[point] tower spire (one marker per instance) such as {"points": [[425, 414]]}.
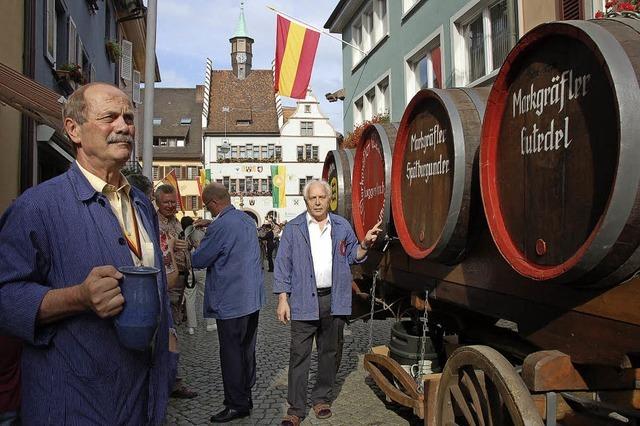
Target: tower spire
{"points": [[241, 28]]}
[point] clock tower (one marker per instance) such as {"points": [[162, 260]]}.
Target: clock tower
{"points": [[241, 48]]}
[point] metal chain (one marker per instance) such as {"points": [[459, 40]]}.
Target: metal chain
{"points": [[373, 305], [423, 345]]}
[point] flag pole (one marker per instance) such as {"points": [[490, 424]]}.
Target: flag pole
{"points": [[327, 33]]}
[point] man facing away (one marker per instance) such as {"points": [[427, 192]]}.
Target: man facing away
{"points": [[60, 244], [233, 296], [313, 282]]}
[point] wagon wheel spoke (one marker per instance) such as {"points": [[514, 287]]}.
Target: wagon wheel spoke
{"points": [[460, 402], [471, 380]]}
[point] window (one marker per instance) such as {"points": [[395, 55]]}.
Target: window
{"points": [[249, 184], [263, 152], [407, 5], [241, 185], [243, 122], [72, 46], [271, 150], [233, 186], [424, 68], [300, 153], [303, 182], [307, 109], [279, 153], [264, 186], [234, 151], [256, 152], [192, 202], [243, 152], [157, 121], [482, 39], [249, 150], [369, 28], [219, 154], [180, 143], [192, 172], [51, 30], [375, 101], [154, 172], [269, 183], [315, 153], [185, 121], [107, 22], [178, 170], [306, 128], [225, 182], [307, 152]]}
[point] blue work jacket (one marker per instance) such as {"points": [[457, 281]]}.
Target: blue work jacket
{"points": [[230, 251], [74, 370], [294, 272]]}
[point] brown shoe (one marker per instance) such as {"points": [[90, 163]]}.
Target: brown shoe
{"points": [[322, 410], [291, 420]]}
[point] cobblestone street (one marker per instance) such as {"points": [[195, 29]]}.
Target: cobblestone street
{"points": [[359, 401]]}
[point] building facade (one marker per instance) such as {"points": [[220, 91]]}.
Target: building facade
{"points": [[409, 44], [49, 48], [177, 141], [243, 138]]}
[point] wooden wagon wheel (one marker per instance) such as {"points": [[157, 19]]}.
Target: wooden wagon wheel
{"points": [[480, 387]]}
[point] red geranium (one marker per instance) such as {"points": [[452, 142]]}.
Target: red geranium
{"points": [[626, 6]]}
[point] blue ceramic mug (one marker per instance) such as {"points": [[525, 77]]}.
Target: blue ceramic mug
{"points": [[136, 325]]}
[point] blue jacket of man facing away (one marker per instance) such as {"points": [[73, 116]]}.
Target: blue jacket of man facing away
{"points": [[231, 253], [294, 273]]}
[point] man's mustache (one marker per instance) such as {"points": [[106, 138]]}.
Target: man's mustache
{"points": [[120, 138]]}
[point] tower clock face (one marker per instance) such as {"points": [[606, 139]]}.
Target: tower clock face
{"points": [[241, 57]]}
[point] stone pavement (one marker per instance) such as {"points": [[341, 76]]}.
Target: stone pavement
{"points": [[359, 401]]}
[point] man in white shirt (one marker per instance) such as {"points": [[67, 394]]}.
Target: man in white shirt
{"points": [[313, 281]]}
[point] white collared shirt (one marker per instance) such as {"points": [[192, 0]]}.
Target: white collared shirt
{"points": [[321, 251]]}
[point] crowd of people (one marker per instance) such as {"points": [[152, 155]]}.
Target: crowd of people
{"points": [[62, 242]]}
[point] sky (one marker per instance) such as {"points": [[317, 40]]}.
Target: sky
{"points": [[190, 31]]}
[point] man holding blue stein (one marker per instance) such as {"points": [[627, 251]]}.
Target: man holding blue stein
{"points": [[61, 244]]}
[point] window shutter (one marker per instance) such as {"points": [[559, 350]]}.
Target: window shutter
{"points": [[136, 87], [126, 60], [72, 49], [183, 172], [79, 53], [570, 9]]}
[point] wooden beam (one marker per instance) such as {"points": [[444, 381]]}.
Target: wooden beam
{"points": [[546, 371]]}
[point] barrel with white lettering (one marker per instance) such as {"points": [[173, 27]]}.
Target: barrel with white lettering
{"points": [[371, 180], [338, 165], [433, 172], [559, 154]]}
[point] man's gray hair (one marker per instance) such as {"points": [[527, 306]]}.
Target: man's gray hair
{"points": [[324, 183], [165, 188]]}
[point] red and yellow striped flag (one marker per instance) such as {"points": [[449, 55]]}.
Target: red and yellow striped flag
{"points": [[296, 47], [172, 180]]}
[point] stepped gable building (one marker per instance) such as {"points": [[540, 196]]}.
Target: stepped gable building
{"points": [[244, 135]]}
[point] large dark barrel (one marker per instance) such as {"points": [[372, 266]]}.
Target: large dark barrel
{"points": [[338, 165], [560, 159], [433, 166], [371, 180]]}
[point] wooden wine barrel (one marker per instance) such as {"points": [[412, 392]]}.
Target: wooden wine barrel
{"points": [[433, 169], [337, 168], [560, 159], [371, 180]]}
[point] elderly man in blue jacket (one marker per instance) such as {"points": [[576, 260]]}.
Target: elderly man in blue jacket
{"points": [[313, 281], [60, 245], [234, 294]]}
